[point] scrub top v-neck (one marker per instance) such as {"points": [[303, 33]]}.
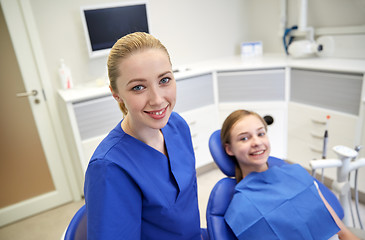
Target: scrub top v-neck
{"points": [[133, 191]]}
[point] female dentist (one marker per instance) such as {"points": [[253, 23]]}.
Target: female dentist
{"points": [[141, 180]]}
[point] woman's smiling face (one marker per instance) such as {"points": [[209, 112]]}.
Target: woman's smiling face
{"points": [[249, 144], [148, 89]]}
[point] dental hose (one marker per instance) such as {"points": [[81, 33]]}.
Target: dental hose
{"points": [[357, 149], [357, 200], [350, 203], [291, 38]]}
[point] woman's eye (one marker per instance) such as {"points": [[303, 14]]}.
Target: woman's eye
{"points": [[165, 80], [138, 88]]}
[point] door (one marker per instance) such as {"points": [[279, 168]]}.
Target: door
{"points": [[32, 178]]}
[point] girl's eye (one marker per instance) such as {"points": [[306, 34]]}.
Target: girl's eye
{"points": [[138, 88], [262, 134], [165, 80], [244, 138]]}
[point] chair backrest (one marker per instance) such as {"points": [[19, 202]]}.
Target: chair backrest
{"points": [[77, 229], [222, 193]]}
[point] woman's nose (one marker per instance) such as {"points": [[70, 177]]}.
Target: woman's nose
{"points": [[155, 96]]}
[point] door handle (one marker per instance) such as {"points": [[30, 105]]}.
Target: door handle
{"points": [[27, 94]]}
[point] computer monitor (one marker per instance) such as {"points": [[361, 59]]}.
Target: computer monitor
{"points": [[105, 24]]}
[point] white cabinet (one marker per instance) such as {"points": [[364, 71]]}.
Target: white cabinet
{"points": [[299, 101], [261, 91], [314, 95], [91, 120], [196, 104], [203, 122], [306, 129]]}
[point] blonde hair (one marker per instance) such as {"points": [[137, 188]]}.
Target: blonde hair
{"points": [[125, 47], [227, 126]]}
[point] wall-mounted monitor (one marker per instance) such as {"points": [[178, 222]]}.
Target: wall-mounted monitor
{"points": [[105, 24]]}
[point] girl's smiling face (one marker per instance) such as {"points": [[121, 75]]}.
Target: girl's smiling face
{"points": [[249, 144], [148, 89]]}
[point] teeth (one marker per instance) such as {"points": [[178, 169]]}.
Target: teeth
{"points": [[158, 113], [258, 153]]}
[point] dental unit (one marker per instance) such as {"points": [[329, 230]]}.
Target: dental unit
{"points": [[345, 164]]}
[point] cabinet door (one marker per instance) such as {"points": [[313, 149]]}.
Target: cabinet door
{"points": [[336, 91], [195, 103], [97, 116], [306, 129], [194, 92], [313, 96], [94, 119], [242, 86], [202, 122]]}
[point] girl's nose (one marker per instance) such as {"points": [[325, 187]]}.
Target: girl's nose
{"points": [[256, 141]]}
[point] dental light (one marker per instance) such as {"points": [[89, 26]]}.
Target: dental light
{"points": [[302, 48]]}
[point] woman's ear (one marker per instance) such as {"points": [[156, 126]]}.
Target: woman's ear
{"points": [[227, 148], [115, 95]]}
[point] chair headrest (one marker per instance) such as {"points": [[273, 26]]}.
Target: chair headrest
{"points": [[220, 157]]}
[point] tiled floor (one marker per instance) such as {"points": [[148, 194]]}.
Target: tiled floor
{"points": [[51, 224]]}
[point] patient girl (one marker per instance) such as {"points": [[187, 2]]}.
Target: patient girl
{"points": [[273, 202]]}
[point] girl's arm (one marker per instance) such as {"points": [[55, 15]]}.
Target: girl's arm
{"points": [[344, 233]]}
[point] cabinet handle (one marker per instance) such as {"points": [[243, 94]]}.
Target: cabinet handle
{"points": [[316, 121], [314, 149], [316, 135]]}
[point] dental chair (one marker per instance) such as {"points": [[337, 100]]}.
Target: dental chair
{"points": [[223, 191], [77, 229]]}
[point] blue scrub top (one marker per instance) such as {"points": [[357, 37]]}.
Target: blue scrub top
{"points": [[133, 191]]}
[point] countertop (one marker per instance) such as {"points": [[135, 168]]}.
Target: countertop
{"points": [[236, 63]]}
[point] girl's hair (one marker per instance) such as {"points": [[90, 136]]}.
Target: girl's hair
{"points": [[227, 126], [125, 47]]}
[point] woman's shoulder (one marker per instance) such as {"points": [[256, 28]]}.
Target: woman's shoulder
{"points": [[178, 122], [176, 118], [111, 143]]}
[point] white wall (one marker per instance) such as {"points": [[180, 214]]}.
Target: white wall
{"points": [[191, 30], [329, 13]]}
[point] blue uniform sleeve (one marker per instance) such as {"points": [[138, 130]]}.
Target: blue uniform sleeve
{"points": [[113, 203]]}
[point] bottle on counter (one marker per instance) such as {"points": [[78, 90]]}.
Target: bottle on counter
{"points": [[65, 75]]}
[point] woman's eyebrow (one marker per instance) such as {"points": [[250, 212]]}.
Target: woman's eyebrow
{"points": [[164, 73], [138, 80]]}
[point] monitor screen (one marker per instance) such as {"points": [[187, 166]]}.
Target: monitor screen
{"points": [[105, 24]]}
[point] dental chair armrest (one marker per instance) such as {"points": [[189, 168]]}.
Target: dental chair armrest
{"points": [[325, 163]]}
